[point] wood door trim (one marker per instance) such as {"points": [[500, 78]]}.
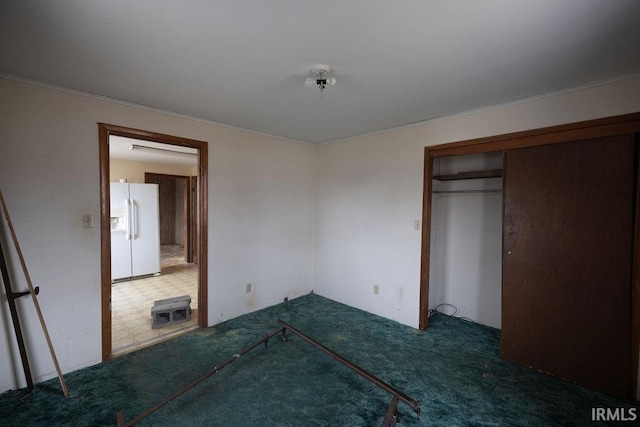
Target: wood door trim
{"points": [[193, 218], [186, 223], [168, 175], [105, 244], [426, 241], [617, 125], [104, 131], [635, 278]]}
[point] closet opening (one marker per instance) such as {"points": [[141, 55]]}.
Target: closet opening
{"points": [[568, 300], [466, 237]]}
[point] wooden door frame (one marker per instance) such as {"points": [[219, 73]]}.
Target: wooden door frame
{"points": [[618, 125], [104, 132], [186, 231], [193, 219]]}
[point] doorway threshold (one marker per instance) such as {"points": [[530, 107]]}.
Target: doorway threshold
{"points": [[153, 340]]}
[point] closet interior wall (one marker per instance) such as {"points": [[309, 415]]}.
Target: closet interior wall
{"points": [[466, 239]]}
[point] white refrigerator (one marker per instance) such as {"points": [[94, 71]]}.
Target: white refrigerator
{"points": [[135, 230]]}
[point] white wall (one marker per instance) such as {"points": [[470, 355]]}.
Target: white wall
{"points": [[369, 193], [366, 204], [261, 194]]}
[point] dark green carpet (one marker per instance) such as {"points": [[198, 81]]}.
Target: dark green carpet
{"points": [[453, 369]]}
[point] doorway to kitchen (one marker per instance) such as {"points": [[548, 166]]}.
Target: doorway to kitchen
{"points": [[176, 169]]}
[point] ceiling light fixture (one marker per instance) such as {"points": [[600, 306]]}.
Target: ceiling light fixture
{"points": [[154, 150], [320, 78]]}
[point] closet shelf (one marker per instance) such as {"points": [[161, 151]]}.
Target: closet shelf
{"points": [[495, 173]]}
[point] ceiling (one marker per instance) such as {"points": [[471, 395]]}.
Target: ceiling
{"points": [[243, 62]]}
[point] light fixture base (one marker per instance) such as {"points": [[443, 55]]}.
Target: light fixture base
{"points": [[320, 70], [320, 77]]}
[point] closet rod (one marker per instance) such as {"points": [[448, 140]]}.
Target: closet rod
{"points": [[465, 191]]}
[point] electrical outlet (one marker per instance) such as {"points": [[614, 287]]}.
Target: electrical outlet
{"points": [[248, 288], [376, 289], [87, 220]]}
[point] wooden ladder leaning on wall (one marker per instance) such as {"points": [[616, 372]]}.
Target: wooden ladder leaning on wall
{"points": [[12, 296]]}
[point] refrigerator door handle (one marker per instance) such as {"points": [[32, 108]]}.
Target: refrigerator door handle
{"points": [[134, 219], [128, 218]]}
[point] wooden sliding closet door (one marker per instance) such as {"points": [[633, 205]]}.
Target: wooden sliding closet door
{"points": [[568, 244]]}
